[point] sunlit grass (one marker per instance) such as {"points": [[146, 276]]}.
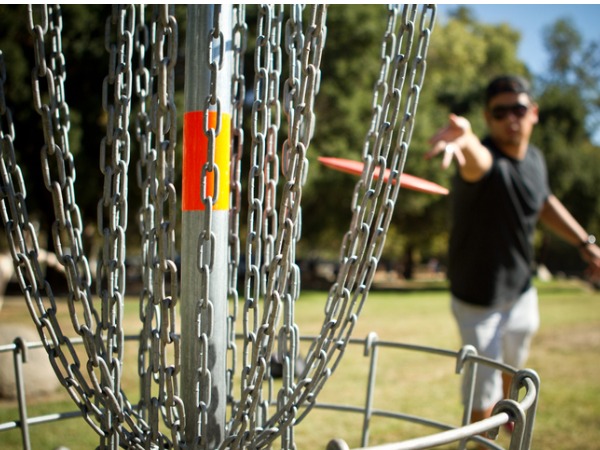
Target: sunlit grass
{"points": [[565, 353]]}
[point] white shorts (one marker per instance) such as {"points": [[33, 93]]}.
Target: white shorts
{"points": [[500, 333]]}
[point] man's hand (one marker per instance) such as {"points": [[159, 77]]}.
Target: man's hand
{"points": [[457, 141], [448, 140]]}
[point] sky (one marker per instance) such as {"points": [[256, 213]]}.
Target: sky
{"points": [[530, 20]]}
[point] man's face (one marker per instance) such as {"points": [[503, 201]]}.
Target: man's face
{"points": [[511, 118]]}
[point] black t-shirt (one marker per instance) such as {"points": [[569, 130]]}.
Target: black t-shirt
{"points": [[493, 223]]}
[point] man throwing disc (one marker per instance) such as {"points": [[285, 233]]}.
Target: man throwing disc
{"points": [[500, 192]]}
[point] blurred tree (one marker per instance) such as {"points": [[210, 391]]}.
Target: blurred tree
{"points": [[574, 63], [463, 54], [86, 66], [349, 67], [569, 100], [86, 61]]}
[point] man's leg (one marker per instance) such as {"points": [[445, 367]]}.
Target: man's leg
{"points": [[482, 328], [522, 324]]}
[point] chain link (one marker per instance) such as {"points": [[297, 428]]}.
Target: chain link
{"points": [[261, 226], [304, 54], [206, 236], [146, 175], [50, 103], [100, 399], [239, 41], [66, 230], [112, 208], [386, 146], [270, 248], [156, 128], [166, 211]]}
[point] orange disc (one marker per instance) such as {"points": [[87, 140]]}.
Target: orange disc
{"points": [[406, 181]]}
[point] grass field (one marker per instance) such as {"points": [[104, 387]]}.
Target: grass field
{"points": [[565, 353]]}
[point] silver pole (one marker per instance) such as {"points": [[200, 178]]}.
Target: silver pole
{"points": [[205, 204]]}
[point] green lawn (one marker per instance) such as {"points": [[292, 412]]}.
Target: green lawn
{"points": [[565, 353]]}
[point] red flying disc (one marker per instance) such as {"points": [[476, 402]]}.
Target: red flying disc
{"points": [[406, 181]]}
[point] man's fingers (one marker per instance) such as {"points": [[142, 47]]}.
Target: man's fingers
{"points": [[444, 141], [438, 147], [452, 150], [449, 151]]}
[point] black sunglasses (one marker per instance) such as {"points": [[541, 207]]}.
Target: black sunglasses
{"points": [[500, 112]]}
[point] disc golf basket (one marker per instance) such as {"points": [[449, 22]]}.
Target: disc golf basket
{"points": [[207, 353]]}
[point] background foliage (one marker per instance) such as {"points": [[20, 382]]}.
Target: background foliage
{"points": [[463, 55]]}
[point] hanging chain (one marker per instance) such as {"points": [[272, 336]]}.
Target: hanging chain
{"points": [[156, 132], [97, 392], [403, 68], [109, 413], [271, 109], [12, 194], [146, 178], [301, 88], [66, 229], [166, 290], [113, 206], [259, 242], [239, 41], [270, 248], [272, 275], [206, 236]]}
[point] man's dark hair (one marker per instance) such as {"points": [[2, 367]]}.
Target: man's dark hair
{"points": [[507, 83]]}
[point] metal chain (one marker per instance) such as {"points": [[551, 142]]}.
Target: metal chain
{"points": [[304, 53], [239, 41], [112, 207], [158, 362], [103, 405], [272, 275], [51, 105], [270, 171], [100, 399], [66, 233], [270, 226], [259, 242], [146, 178], [403, 68], [271, 272], [206, 236], [166, 290]]}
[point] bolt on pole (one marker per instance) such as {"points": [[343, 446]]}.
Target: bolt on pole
{"points": [[205, 206]]}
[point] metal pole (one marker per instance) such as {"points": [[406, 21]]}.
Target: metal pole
{"points": [[20, 357], [205, 205]]}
